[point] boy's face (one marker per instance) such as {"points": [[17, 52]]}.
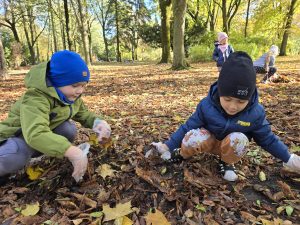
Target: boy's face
{"points": [[233, 105], [73, 91]]}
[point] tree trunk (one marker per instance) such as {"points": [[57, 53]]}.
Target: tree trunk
{"points": [[165, 10], [83, 29], [119, 59], [53, 26], [28, 39], [224, 16], [247, 18], [105, 44], [3, 71], [67, 24], [288, 26], [212, 14], [179, 10]]}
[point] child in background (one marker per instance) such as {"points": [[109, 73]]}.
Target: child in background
{"points": [[39, 122], [266, 64], [226, 120], [222, 50]]}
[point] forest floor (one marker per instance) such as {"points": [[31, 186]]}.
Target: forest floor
{"points": [[145, 103]]}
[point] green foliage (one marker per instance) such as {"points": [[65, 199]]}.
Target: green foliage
{"points": [[201, 53], [150, 34]]}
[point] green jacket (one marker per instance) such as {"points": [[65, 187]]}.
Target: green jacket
{"points": [[39, 111]]}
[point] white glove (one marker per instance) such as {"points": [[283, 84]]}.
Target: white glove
{"points": [[293, 163], [102, 128], [78, 158], [163, 150]]}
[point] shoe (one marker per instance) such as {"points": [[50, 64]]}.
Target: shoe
{"points": [[227, 171], [175, 156]]}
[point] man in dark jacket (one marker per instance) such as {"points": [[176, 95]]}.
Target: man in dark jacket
{"points": [[226, 120]]}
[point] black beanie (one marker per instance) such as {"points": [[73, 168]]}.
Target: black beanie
{"points": [[237, 77]]}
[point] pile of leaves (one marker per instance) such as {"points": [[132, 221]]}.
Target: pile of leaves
{"points": [[145, 103]]}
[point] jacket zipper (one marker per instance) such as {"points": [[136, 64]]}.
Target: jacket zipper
{"points": [[71, 111]]}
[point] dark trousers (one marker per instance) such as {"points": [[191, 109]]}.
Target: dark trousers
{"points": [[272, 71], [15, 153]]}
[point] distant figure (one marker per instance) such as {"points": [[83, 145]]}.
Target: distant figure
{"points": [[222, 50], [266, 64]]}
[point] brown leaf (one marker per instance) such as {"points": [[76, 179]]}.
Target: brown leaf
{"points": [[248, 217], [286, 189]]}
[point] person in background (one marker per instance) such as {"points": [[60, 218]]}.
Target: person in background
{"points": [[265, 64], [226, 120], [40, 121], [222, 50]]}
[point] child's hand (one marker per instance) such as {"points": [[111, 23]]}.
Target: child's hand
{"points": [[163, 150], [78, 158], [102, 128], [293, 163]]}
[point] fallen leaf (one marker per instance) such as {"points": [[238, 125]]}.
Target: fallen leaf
{"points": [[156, 218], [34, 172], [105, 170], [262, 176], [289, 210], [124, 220], [96, 214], [247, 216], [119, 211], [31, 210]]}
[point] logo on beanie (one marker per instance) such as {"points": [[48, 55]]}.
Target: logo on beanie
{"points": [[242, 92], [84, 73]]}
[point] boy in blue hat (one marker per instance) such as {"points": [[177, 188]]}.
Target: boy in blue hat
{"points": [[226, 120], [39, 122]]}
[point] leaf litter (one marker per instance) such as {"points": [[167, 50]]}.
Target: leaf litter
{"points": [[145, 103]]}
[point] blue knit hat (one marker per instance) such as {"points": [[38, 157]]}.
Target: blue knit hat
{"points": [[66, 68]]}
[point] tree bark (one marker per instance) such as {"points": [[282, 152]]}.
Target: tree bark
{"points": [[119, 59], [247, 18], [53, 25], [165, 10], [224, 16], [3, 71], [179, 10], [83, 29], [66, 10], [288, 26]]}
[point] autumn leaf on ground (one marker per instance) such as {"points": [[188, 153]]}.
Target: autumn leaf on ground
{"points": [[124, 220], [262, 176], [93, 140], [34, 172], [156, 218], [116, 212], [105, 170], [31, 210]]}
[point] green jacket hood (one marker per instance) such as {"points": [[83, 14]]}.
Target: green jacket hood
{"points": [[36, 78]]}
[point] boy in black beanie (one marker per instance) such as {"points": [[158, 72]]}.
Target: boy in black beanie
{"points": [[226, 120]]}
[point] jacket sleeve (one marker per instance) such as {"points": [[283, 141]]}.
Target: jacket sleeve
{"points": [[231, 50], [195, 121], [34, 118], [84, 116], [265, 138], [215, 55]]}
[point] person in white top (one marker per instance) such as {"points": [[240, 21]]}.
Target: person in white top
{"points": [[266, 64]]}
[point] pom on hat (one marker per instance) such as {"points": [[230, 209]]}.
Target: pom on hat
{"points": [[221, 36], [237, 77], [274, 50], [66, 68]]}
